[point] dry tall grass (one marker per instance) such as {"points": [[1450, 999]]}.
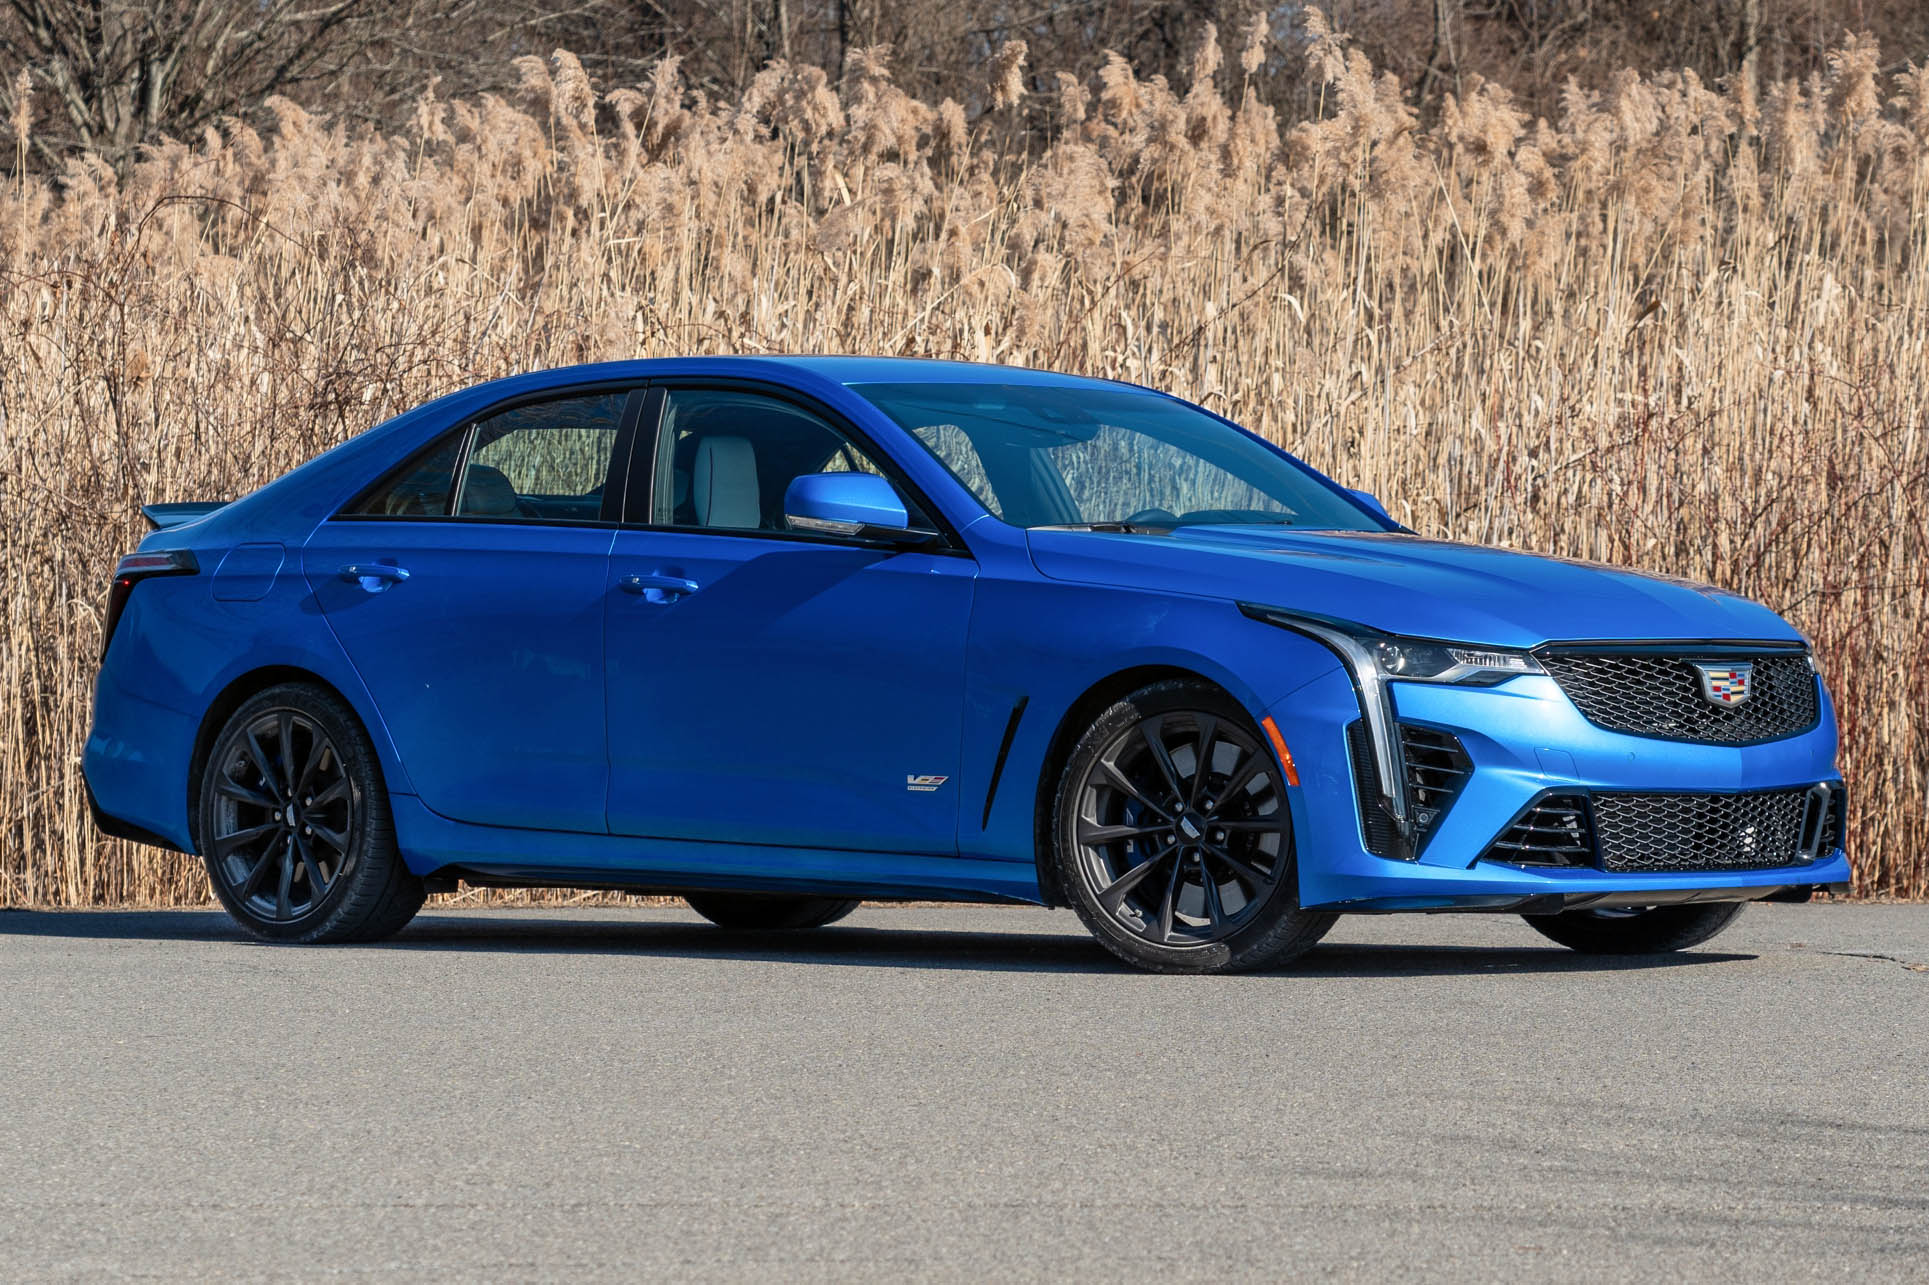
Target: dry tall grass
{"points": [[1676, 329]]}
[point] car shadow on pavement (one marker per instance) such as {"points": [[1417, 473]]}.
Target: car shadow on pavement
{"points": [[850, 944]]}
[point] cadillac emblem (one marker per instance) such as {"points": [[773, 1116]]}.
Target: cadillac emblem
{"points": [[1724, 682]]}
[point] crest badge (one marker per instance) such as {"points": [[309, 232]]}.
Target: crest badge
{"points": [[1725, 682]]}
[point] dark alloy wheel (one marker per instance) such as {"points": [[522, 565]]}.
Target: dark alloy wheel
{"points": [[768, 911], [1173, 836], [1653, 930], [294, 823]]}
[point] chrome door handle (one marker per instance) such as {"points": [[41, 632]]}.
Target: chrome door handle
{"points": [[374, 576], [658, 588]]}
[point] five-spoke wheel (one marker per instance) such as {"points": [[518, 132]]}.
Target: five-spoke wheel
{"points": [[1174, 836]]}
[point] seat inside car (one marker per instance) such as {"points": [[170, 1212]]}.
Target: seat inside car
{"points": [[486, 492], [723, 484]]}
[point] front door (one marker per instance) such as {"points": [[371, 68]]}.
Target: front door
{"points": [[467, 589], [768, 687]]}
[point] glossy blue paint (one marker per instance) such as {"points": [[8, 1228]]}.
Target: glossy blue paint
{"points": [[788, 698], [848, 499], [622, 704]]}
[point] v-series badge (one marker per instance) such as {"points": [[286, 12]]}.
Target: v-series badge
{"points": [[924, 784]]}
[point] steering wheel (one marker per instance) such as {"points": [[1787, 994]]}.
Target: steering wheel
{"points": [[1153, 516]]}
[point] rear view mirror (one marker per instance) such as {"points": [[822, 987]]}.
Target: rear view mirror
{"points": [[859, 505]]}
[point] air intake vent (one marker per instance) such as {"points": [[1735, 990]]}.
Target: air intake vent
{"points": [[1437, 767], [1377, 830], [1555, 831], [1666, 832]]}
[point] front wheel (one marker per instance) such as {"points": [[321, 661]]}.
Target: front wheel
{"points": [[767, 911], [1655, 930], [1173, 839]]}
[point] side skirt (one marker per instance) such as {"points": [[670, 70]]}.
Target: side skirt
{"points": [[438, 848]]}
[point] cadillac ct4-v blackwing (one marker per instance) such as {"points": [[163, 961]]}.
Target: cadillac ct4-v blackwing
{"points": [[779, 633]]}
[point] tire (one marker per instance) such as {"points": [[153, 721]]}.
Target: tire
{"points": [[294, 826], [1654, 931], [1172, 869], [768, 911]]}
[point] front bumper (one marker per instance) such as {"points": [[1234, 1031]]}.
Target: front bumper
{"points": [[1523, 738]]}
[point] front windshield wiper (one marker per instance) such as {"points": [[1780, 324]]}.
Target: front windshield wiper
{"points": [[1114, 528]]}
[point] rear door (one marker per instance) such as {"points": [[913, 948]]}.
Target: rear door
{"points": [[767, 686], [467, 588]]}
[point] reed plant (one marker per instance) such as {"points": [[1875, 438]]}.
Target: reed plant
{"points": [[1679, 328]]}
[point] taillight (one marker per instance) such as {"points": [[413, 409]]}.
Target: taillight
{"points": [[133, 569]]}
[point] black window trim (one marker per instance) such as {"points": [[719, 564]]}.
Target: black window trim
{"points": [[621, 464], [640, 487]]}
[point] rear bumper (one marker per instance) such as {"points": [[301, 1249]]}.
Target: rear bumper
{"points": [[1524, 738]]}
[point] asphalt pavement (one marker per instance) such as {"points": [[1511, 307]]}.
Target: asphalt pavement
{"points": [[958, 1093]]}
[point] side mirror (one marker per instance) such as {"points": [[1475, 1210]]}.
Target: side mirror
{"points": [[1371, 501], [859, 505]]}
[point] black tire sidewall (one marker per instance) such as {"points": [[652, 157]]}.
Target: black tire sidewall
{"points": [[769, 912], [1279, 930], [374, 885], [1659, 931]]}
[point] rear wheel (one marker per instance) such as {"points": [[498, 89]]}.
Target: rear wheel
{"points": [[294, 823], [756, 910], [1655, 930], [1173, 839]]}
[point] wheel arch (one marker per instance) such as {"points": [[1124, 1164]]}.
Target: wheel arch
{"points": [[1071, 725], [231, 698]]}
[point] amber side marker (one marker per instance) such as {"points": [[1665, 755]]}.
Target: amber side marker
{"points": [[1285, 755]]}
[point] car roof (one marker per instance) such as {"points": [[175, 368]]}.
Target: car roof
{"points": [[846, 370]]}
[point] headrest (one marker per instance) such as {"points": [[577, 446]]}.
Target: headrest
{"points": [[487, 493], [724, 484]]}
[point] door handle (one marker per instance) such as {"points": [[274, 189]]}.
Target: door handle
{"points": [[658, 588], [374, 576]]}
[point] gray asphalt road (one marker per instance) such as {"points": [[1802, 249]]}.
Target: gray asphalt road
{"points": [[959, 1093]]}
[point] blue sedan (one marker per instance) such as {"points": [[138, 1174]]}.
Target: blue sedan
{"points": [[776, 634]]}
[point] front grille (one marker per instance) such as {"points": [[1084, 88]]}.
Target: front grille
{"points": [[1659, 694], [1640, 833], [1673, 833], [1554, 832]]}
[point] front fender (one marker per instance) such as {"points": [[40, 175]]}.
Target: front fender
{"points": [[1049, 645]]}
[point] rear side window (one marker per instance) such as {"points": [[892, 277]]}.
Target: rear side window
{"points": [[544, 462], [547, 462], [420, 489]]}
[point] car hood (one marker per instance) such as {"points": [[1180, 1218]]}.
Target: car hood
{"points": [[1407, 584]]}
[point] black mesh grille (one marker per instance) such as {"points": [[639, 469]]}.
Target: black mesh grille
{"points": [[1660, 695], [1554, 832], [1650, 832], [1436, 768]]}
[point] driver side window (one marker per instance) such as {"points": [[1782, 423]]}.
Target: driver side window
{"points": [[725, 459]]}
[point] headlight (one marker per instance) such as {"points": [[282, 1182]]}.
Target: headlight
{"points": [[1376, 659]]}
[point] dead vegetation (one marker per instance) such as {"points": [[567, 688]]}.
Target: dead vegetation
{"points": [[1674, 328]]}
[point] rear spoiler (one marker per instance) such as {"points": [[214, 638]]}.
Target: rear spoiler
{"points": [[162, 516]]}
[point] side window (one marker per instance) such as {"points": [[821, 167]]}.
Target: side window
{"points": [[725, 459], [419, 489], [545, 462]]}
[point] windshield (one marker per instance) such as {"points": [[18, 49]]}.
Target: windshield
{"points": [[1086, 456]]}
